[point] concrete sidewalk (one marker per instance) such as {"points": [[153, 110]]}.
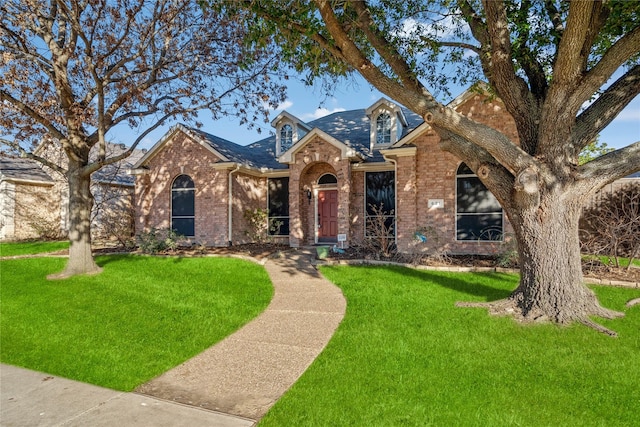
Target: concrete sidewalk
{"points": [[29, 398], [232, 384], [246, 373]]}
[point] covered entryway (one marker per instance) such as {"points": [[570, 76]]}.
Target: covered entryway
{"points": [[327, 216]]}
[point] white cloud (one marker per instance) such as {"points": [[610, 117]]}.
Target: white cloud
{"points": [[281, 107], [320, 112], [285, 105]]}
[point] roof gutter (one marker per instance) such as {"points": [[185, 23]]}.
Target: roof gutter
{"points": [[230, 198]]}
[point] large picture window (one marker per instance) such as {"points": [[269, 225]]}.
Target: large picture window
{"points": [[380, 203], [183, 206], [478, 213], [278, 206]]}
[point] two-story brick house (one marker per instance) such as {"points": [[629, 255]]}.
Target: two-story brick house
{"points": [[327, 181]]}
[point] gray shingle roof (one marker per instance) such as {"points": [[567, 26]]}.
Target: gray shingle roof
{"points": [[22, 170], [350, 127], [118, 173]]}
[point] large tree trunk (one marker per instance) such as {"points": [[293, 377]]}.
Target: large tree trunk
{"points": [[551, 283], [80, 204]]}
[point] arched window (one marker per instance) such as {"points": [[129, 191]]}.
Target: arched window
{"points": [[328, 178], [183, 201], [286, 137], [478, 213], [383, 129]]}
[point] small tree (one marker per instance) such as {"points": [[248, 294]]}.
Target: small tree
{"points": [[72, 71], [611, 226]]}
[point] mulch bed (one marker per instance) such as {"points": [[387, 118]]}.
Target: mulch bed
{"points": [[591, 268]]}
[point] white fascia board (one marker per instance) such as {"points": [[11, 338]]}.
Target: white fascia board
{"points": [[373, 167], [399, 152], [28, 182]]}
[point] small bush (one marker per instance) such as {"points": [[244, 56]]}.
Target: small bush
{"points": [[158, 240], [380, 233], [257, 220], [46, 228]]}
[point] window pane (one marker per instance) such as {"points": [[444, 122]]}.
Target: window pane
{"points": [[383, 129], [183, 203], [286, 137], [184, 226], [328, 178], [380, 192], [473, 196], [279, 226], [375, 228], [479, 227], [183, 181], [278, 197]]}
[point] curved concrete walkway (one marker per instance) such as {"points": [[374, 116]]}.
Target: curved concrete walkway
{"points": [[246, 373], [242, 376]]}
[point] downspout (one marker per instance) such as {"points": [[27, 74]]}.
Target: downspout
{"points": [[230, 198]]}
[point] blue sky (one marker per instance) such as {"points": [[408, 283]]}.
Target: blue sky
{"points": [[309, 103]]}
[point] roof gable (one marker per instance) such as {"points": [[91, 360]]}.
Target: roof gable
{"points": [[197, 136], [346, 152]]}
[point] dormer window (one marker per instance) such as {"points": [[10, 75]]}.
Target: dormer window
{"points": [[383, 129], [289, 130], [387, 123], [286, 137]]}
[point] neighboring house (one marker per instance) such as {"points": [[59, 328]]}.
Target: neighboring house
{"points": [[29, 200], [327, 181], [33, 197]]}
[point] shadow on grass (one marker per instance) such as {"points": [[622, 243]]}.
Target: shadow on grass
{"points": [[474, 284], [103, 260]]}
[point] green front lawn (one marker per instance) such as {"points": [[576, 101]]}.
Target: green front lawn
{"points": [[27, 248], [140, 317], [406, 356]]}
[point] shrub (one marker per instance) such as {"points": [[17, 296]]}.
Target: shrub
{"points": [[158, 240], [380, 233], [257, 220], [612, 225]]}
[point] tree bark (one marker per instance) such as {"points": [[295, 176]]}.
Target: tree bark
{"points": [[551, 283], [80, 204]]}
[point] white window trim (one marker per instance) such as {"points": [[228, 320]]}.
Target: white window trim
{"points": [[393, 128]]}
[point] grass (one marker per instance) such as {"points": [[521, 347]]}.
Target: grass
{"points": [[140, 317], [405, 356], [624, 262], [28, 248]]}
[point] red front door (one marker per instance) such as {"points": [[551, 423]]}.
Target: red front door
{"points": [[327, 215]]}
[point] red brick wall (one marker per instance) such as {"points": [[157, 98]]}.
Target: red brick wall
{"points": [[181, 155], [249, 192], [314, 160], [435, 178]]}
